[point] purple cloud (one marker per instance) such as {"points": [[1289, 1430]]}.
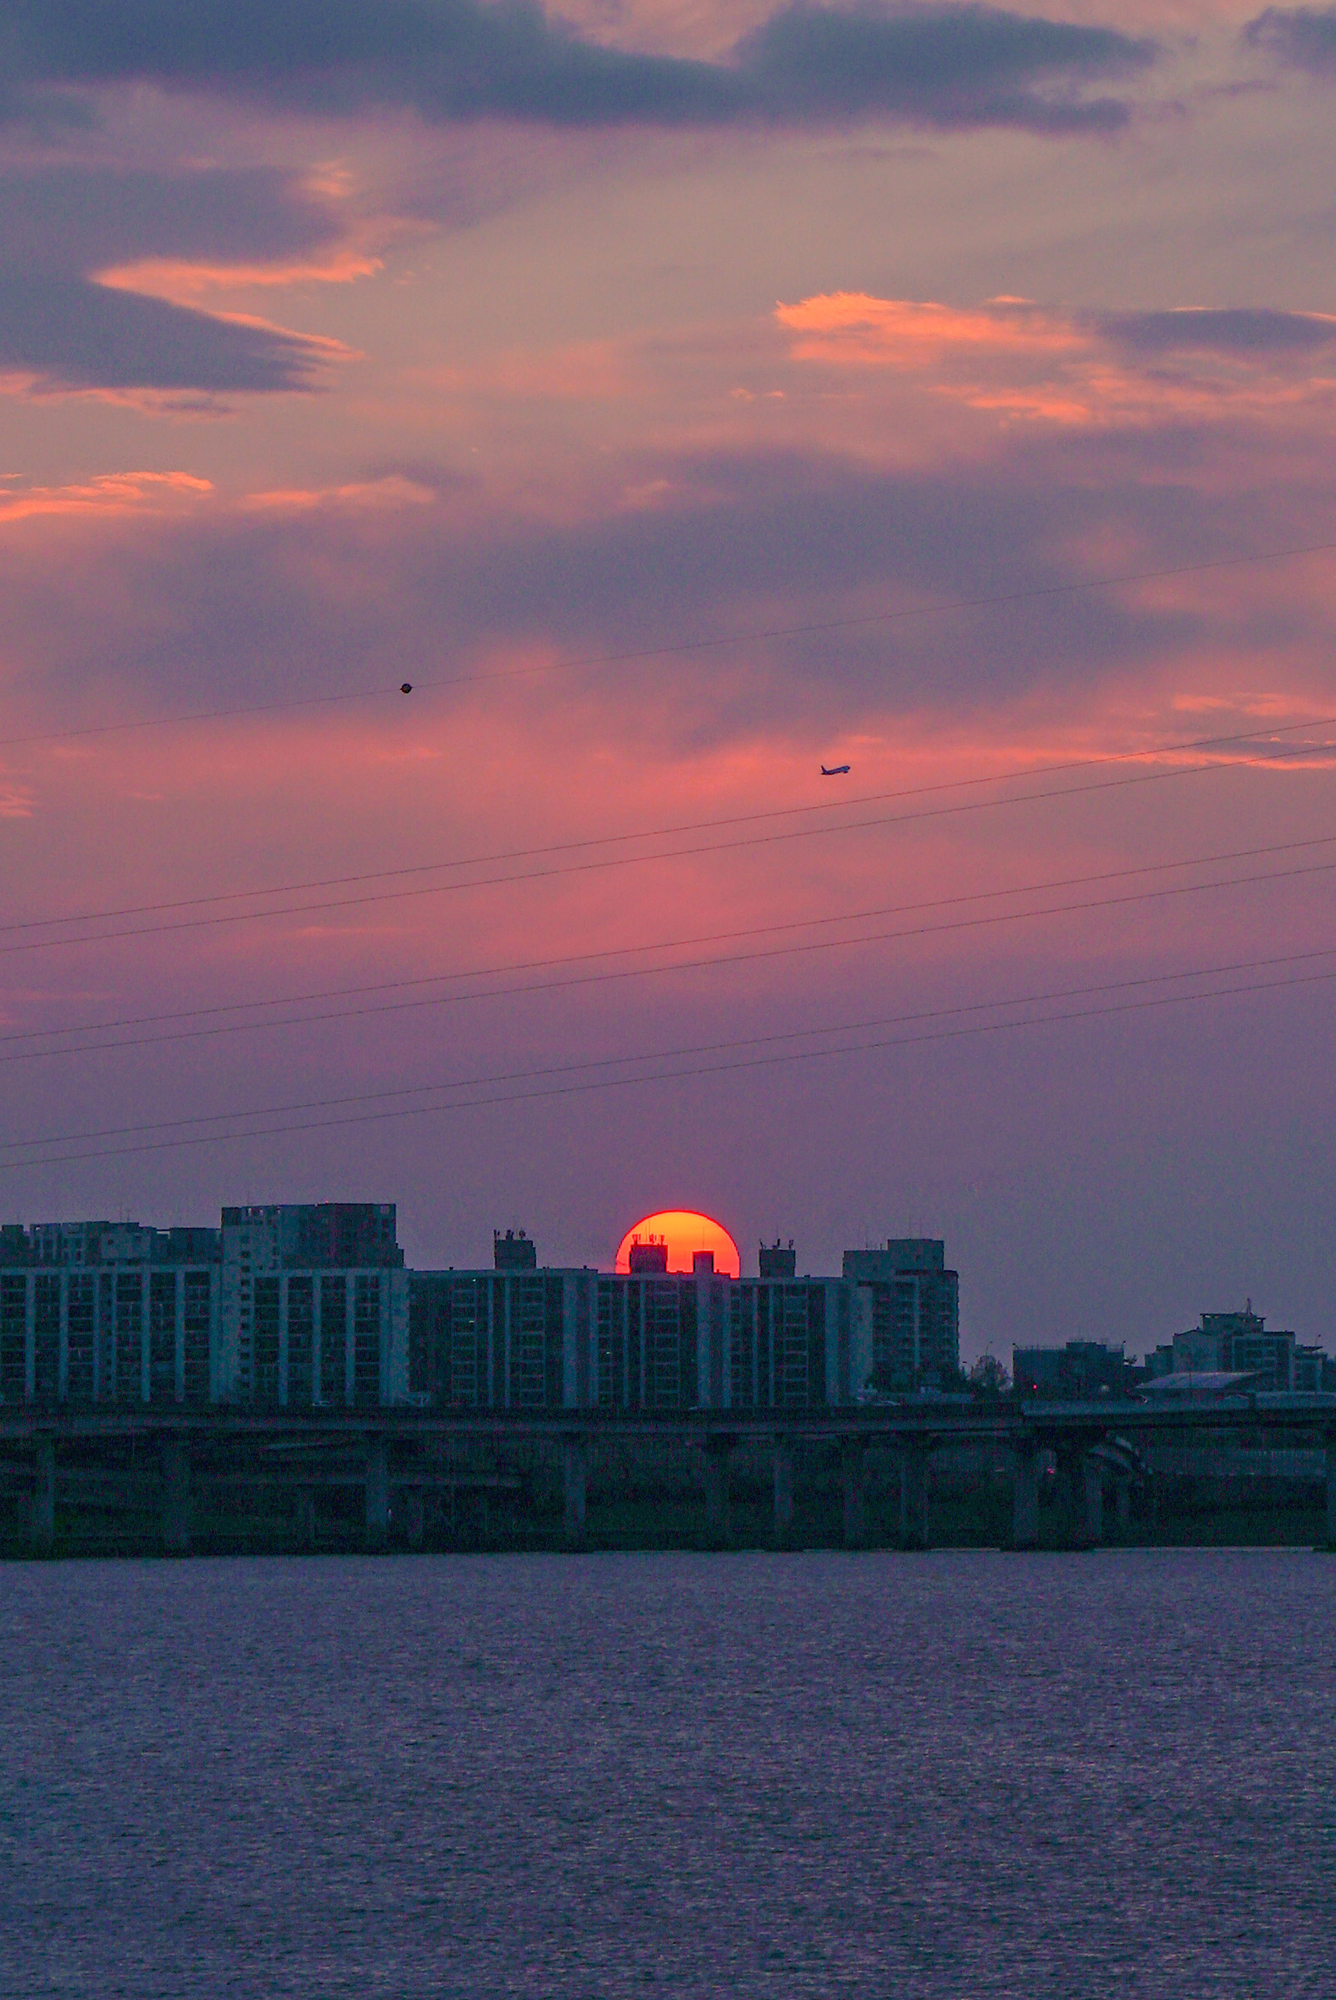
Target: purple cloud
{"points": [[1241, 330], [947, 65], [77, 335], [1305, 37], [59, 224]]}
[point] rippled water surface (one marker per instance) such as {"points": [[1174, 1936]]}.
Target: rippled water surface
{"points": [[883, 1775]]}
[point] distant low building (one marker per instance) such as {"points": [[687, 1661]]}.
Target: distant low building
{"points": [[1077, 1372], [1314, 1372], [1240, 1343], [69, 1245], [1196, 1385]]}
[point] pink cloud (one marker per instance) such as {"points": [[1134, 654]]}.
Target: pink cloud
{"points": [[1016, 358], [110, 493]]}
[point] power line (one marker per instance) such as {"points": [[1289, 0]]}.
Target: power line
{"points": [[616, 861], [687, 826], [681, 647], [717, 937], [670, 1076]]}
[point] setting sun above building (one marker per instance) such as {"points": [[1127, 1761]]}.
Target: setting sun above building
{"points": [[683, 1233]]}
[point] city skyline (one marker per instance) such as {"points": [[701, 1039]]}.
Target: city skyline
{"points": [[310, 1306], [344, 1234]]}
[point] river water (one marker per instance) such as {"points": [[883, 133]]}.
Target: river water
{"points": [[953, 1775]]}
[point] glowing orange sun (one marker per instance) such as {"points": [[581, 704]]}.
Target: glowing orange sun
{"points": [[684, 1232]]}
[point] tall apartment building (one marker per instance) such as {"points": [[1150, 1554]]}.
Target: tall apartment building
{"points": [[314, 1305], [109, 1312], [294, 1306], [530, 1337], [524, 1335], [914, 1302]]}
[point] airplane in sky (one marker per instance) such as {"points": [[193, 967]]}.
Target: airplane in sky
{"points": [[835, 771]]}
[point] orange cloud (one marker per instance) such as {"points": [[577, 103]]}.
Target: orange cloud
{"points": [[392, 491], [182, 282], [112, 493], [851, 328], [1015, 358]]}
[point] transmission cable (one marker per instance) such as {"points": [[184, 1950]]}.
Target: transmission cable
{"points": [[670, 1076], [689, 826], [616, 861], [639, 972]]}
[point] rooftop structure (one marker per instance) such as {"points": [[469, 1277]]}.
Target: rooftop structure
{"points": [[775, 1260], [901, 1254], [513, 1253]]}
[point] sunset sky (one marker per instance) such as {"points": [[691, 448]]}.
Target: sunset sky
{"points": [[679, 395]]}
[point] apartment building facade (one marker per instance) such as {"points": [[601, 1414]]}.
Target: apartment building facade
{"points": [[914, 1303]]}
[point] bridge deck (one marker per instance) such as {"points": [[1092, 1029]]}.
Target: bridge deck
{"points": [[942, 1426]]}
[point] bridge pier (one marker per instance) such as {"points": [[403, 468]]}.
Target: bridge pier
{"points": [[575, 1469], [176, 1497], [715, 1455], [1066, 1503], [1092, 1523], [1080, 1496], [416, 1509], [914, 1497], [1025, 1494], [852, 1456], [1331, 1489], [306, 1518], [783, 1472], [42, 1519], [377, 1494], [1122, 1502]]}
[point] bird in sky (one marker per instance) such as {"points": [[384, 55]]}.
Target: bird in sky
{"points": [[835, 771]]}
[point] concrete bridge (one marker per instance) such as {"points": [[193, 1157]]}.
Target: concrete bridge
{"points": [[394, 1456]]}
